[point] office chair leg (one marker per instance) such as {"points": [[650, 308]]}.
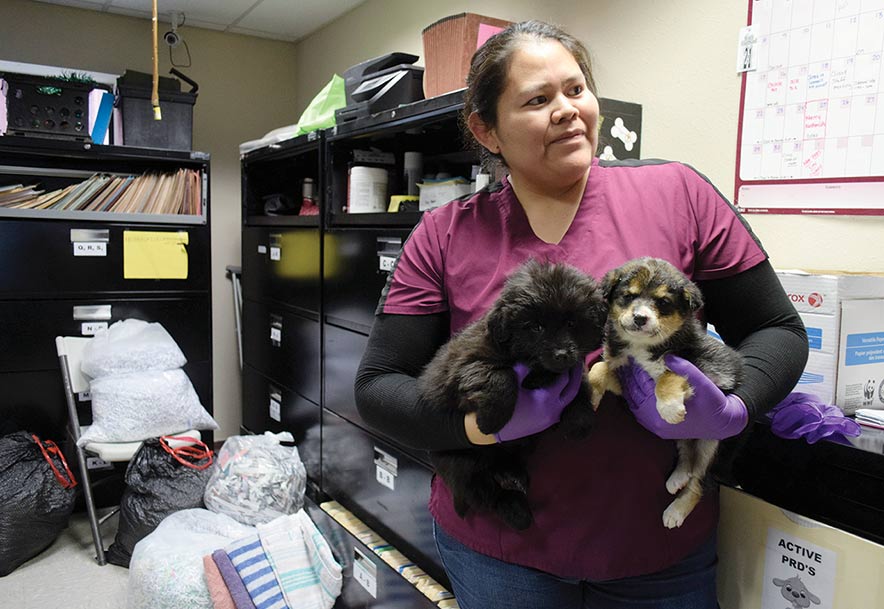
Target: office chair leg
{"points": [[74, 433], [90, 508]]}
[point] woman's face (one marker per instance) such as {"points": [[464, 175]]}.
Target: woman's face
{"points": [[547, 119]]}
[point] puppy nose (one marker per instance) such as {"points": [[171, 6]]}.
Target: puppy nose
{"points": [[561, 355], [639, 320]]}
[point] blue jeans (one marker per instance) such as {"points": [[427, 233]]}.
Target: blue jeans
{"points": [[482, 582]]}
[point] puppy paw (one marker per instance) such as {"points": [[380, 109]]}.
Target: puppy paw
{"points": [[601, 379], [680, 508], [515, 511], [672, 412], [677, 481], [674, 516]]}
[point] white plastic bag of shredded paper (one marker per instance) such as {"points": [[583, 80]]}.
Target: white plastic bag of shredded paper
{"points": [[257, 479], [131, 345], [142, 405], [167, 572]]}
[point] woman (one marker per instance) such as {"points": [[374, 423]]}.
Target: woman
{"points": [[598, 539]]}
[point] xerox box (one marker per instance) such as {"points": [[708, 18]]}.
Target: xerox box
{"points": [[844, 317]]}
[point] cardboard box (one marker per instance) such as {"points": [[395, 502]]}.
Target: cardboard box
{"points": [[449, 45], [762, 547], [844, 316], [439, 192]]}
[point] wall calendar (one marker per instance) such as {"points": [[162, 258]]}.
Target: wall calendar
{"points": [[811, 132]]}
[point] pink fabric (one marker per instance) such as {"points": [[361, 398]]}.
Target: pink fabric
{"points": [[598, 503], [221, 598]]}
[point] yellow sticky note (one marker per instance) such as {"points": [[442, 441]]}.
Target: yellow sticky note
{"points": [[155, 254]]}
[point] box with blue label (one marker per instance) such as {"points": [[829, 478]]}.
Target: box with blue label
{"points": [[844, 317]]}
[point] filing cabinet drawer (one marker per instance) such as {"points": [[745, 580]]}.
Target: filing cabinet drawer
{"points": [[383, 485], [34, 401], [28, 328], [282, 265], [356, 264], [343, 352], [374, 585], [269, 406], [283, 346], [53, 268]]}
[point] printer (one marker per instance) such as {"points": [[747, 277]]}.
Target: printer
{"points": [[379, 84]]}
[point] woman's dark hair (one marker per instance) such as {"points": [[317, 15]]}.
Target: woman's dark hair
{"points": [[490, 65]]}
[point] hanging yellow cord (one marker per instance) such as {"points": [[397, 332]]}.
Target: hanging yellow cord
{"points": [[155, 94]]}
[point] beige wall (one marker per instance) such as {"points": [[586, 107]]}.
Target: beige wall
{"points": [[247, 87], [675, 57]]}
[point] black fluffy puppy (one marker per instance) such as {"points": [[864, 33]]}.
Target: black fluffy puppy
{"points": [[548, 316]]}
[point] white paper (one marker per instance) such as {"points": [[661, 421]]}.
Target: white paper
{"points": [[746, 49], [797, 573]]}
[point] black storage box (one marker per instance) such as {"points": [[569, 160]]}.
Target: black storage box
{"points": [[175, 130], [40, 106]]}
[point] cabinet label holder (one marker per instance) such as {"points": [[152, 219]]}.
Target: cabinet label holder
{"points": [[90, 241]]}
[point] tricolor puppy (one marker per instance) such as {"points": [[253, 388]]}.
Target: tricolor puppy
{"points": [[651, 313]]}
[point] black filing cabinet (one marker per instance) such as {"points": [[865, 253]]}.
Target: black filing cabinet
{"points": [[281, 288], [65, 273], [68, 272], [311, 287]]}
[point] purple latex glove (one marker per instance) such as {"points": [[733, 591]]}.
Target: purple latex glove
{"points": [[537, 409], [711, 414], [802, 415]]}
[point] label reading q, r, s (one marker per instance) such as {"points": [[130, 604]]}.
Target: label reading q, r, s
{"points": [[90, 248]]}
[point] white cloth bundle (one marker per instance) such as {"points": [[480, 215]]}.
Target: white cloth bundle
{"points": [[307, 572]]}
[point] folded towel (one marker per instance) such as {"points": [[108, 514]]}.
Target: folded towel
{"points": [[870, 415], [221, 598], [307, 572], [232, 580], [251, 563]]}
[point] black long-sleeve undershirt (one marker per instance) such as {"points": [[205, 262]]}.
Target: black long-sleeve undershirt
{"points": [[750, 311]]}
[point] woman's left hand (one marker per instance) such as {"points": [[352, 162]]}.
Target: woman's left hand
{"points": [[711, 414]]}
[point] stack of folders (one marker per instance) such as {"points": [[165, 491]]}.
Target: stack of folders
{"points": [[149, 193], [428, 586]]}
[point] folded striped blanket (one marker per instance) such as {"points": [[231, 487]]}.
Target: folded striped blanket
{"points": [[307, 572], [256, 572]]}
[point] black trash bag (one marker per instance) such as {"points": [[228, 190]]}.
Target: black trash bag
{"points": [[158, 483], [36, 497]]}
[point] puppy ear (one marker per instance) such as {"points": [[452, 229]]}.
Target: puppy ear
{"points": [[609, 282], [499, 325], [693, 296]]}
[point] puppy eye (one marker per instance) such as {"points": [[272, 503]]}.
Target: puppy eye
{"points": [[537, 326], [665, 306], [628, 297], [570, 323]]}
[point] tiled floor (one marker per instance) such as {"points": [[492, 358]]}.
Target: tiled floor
{"points": [[66, 576]]}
